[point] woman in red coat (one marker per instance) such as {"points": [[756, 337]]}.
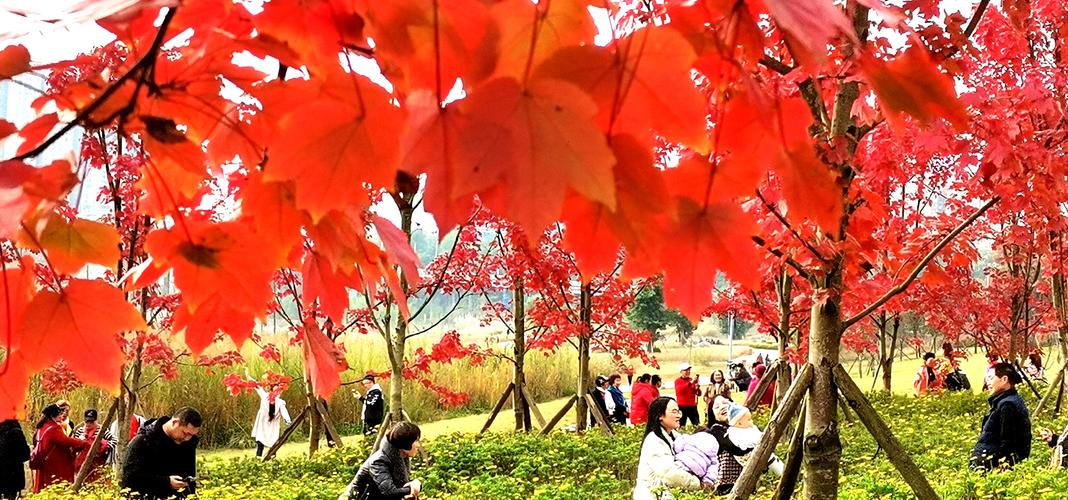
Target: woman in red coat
{"points": [[642, 395], [54, 450]]}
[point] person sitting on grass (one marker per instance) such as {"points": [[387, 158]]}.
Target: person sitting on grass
{"points": [[1059, 443], [658, 470], [386, 474], [928, 378], [745, 434], [1005, 439]]}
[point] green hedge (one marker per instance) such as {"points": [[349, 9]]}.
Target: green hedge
{"points": [[938, 432]]}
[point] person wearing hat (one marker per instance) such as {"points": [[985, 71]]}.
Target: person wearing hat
{"points": [[687, 391], [374, 405], [88, 432], [1005, 438]]}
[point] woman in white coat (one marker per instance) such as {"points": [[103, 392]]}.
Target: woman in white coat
{"points": [[657, 469], [265, 429]]}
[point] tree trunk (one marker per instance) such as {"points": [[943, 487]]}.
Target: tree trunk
{"points": [[823, 448], [127, 406], [888, 356], [582, 410], [395, 344], [396, 375], [519, 352], [315, 422], [785, 289]]}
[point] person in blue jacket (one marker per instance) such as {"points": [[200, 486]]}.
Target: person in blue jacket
{"points": [[1005, 439]]}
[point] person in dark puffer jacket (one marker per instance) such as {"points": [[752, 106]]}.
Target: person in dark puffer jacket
{"points": [[13, 453], [385, 475], [163, 456], [1005, 439]]}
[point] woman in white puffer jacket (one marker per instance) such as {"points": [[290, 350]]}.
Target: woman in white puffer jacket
{"points": [[658, 471]]}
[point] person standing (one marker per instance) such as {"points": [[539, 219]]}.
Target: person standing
{"points": [[686, 392], [161, 461], [769, 394], [374, 405], [719, 387], [641, 395], [269, 420], [598, 394], [1005, 439], [88, 432], [618, 411], [13, 453], [66, 424], [53, 450], [386, 474], [656, 382], [657, 468], [740, 376]]}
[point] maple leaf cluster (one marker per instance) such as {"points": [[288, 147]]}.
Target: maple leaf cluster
{"points": [[651, 134]]}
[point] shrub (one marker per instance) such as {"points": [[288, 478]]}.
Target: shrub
{"points": [[938, 432]]}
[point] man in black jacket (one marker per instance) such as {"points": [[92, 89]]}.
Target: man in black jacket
{"points": [[386, 474], [13, 452], [1005, 438], [161, 461], [374, 405]]}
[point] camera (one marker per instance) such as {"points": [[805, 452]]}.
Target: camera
{"points": [[191, 482]]}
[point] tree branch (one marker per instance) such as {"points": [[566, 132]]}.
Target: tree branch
{"points": [[901, 287], [974, 22], [789, 260], [138, 69], [790, 227]]}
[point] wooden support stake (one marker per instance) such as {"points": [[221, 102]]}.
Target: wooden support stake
{"points": [[328, 423], [1027, 379], [559, 415], [792, 469], [498, 406], [1055, 386], [765, 382], [758, 458], [287, 434], [386, 423], [87, 466], [846, 414], [533, 407], [602, 422], [883, 436], [1060, 396]]}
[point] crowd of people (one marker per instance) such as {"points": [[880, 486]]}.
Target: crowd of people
{"points": [[160, 461]]}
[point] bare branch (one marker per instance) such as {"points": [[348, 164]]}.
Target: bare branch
{"points": [[901, 287], [782, 219], [789, 260]]}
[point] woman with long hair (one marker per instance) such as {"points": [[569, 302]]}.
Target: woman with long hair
{"points": [[657, 468], [269, 420], [53, 450]]}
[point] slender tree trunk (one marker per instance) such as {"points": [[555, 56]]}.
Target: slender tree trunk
{"points": [[519, 353], [582, 410], [785, 289], [888, 358], [395, 344], [823, 447], [315, 423]]}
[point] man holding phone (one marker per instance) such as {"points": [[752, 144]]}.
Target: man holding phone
{"points": [[161, 461]]}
